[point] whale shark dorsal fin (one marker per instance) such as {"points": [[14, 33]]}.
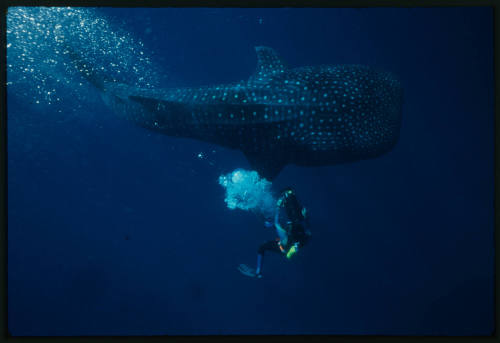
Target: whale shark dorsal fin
{"points": [[269, 65]]}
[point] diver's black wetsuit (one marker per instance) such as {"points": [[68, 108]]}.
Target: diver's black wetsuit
{"points": [[294, 228]]}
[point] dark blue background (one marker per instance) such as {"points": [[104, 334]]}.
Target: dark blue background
{"points": [[117, 230]]}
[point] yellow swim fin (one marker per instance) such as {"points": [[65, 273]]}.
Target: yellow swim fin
{"points": [[292, 251]]}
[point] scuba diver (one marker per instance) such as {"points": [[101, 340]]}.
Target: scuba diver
{"points": [[290, 221]]}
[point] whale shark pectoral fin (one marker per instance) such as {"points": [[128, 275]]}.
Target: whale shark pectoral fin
{"points": [[267, 165], [269, 65]]}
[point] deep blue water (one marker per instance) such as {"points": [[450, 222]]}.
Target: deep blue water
{"points": [[116, 230]]}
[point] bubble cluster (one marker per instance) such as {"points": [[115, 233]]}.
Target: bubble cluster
{"points": [[38, 69], [246, 190]]}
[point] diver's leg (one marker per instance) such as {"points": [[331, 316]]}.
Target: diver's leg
{"points": [[269, 246], [259, 264], [249, 271]]}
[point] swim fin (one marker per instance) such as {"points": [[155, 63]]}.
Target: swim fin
{"points": [[248, 271]]}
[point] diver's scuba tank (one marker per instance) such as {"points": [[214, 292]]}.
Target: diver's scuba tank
{"points": [[294, 210]]}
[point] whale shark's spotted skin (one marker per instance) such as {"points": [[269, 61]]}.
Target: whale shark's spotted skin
{"points": [[308, 116]]}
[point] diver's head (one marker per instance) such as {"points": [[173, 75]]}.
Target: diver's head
{"points": [[283, 195], [287, 190]]}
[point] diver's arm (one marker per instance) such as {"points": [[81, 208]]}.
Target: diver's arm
{"points": [[281, 232], [307, 223], [283, 235], [305, 215], [277, 221]]}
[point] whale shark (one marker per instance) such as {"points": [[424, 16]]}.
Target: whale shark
{"points": [[307, 116]]}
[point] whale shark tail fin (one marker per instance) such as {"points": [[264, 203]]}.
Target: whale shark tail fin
{"points": [[267, 165], [269, 65], [87, 69], [84, 67]]}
